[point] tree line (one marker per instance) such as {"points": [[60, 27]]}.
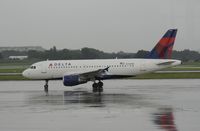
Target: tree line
{"points": [[90, 53]]}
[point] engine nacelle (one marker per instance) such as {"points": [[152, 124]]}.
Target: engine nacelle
{"points": [[72, 80]]}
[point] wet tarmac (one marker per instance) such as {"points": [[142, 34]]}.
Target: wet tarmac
{"points": [[140, 105]]}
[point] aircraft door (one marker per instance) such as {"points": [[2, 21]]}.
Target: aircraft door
{"points": [[44, 69]]}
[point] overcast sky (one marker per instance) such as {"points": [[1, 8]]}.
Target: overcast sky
{"points": [[109, 25]]}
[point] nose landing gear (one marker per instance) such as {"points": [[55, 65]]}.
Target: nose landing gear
{"points": [[97, 87], [46, 89]]}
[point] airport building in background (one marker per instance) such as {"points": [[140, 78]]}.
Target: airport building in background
{"points": [[17, 57], [22, 48]]}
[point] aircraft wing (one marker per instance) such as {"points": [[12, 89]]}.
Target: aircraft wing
{"points": [[91, 75]]}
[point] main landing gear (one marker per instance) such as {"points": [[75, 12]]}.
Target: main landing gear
{"points": [[46, 89], [97, 87]]}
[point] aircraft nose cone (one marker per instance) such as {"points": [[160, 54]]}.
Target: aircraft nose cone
{"points": [[25, 73]]}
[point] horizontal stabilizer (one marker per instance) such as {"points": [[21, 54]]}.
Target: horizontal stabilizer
{"points": [[166, 63]]}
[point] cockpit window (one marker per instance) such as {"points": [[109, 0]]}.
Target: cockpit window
{"points": [[33, 67]]}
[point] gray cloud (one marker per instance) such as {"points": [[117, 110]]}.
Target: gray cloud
{"points": [[110, 25]]}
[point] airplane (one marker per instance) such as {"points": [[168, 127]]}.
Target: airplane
{"points": [[75, 72]]}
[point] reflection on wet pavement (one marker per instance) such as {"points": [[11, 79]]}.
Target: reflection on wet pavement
{"points": [[90, 99], [163, 105], [164, 118]]}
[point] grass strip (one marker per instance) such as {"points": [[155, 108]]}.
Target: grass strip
{"points": [[182, 69], [12, 77], [184, 75], [17, 70]]}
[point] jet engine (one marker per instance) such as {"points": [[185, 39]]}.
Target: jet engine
{"points": [[72, 80]]}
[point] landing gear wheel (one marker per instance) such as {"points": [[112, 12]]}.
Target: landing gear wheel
{"points": [[100, 84], [46, 89], [95, 87]]}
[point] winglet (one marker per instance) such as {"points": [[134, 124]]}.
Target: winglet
{"points": [[163, 49]]}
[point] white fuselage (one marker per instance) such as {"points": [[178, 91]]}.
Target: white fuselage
{"points": [[56, 69]]}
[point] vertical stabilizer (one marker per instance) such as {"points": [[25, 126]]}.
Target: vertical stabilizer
{"points": [[163, 49]]}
